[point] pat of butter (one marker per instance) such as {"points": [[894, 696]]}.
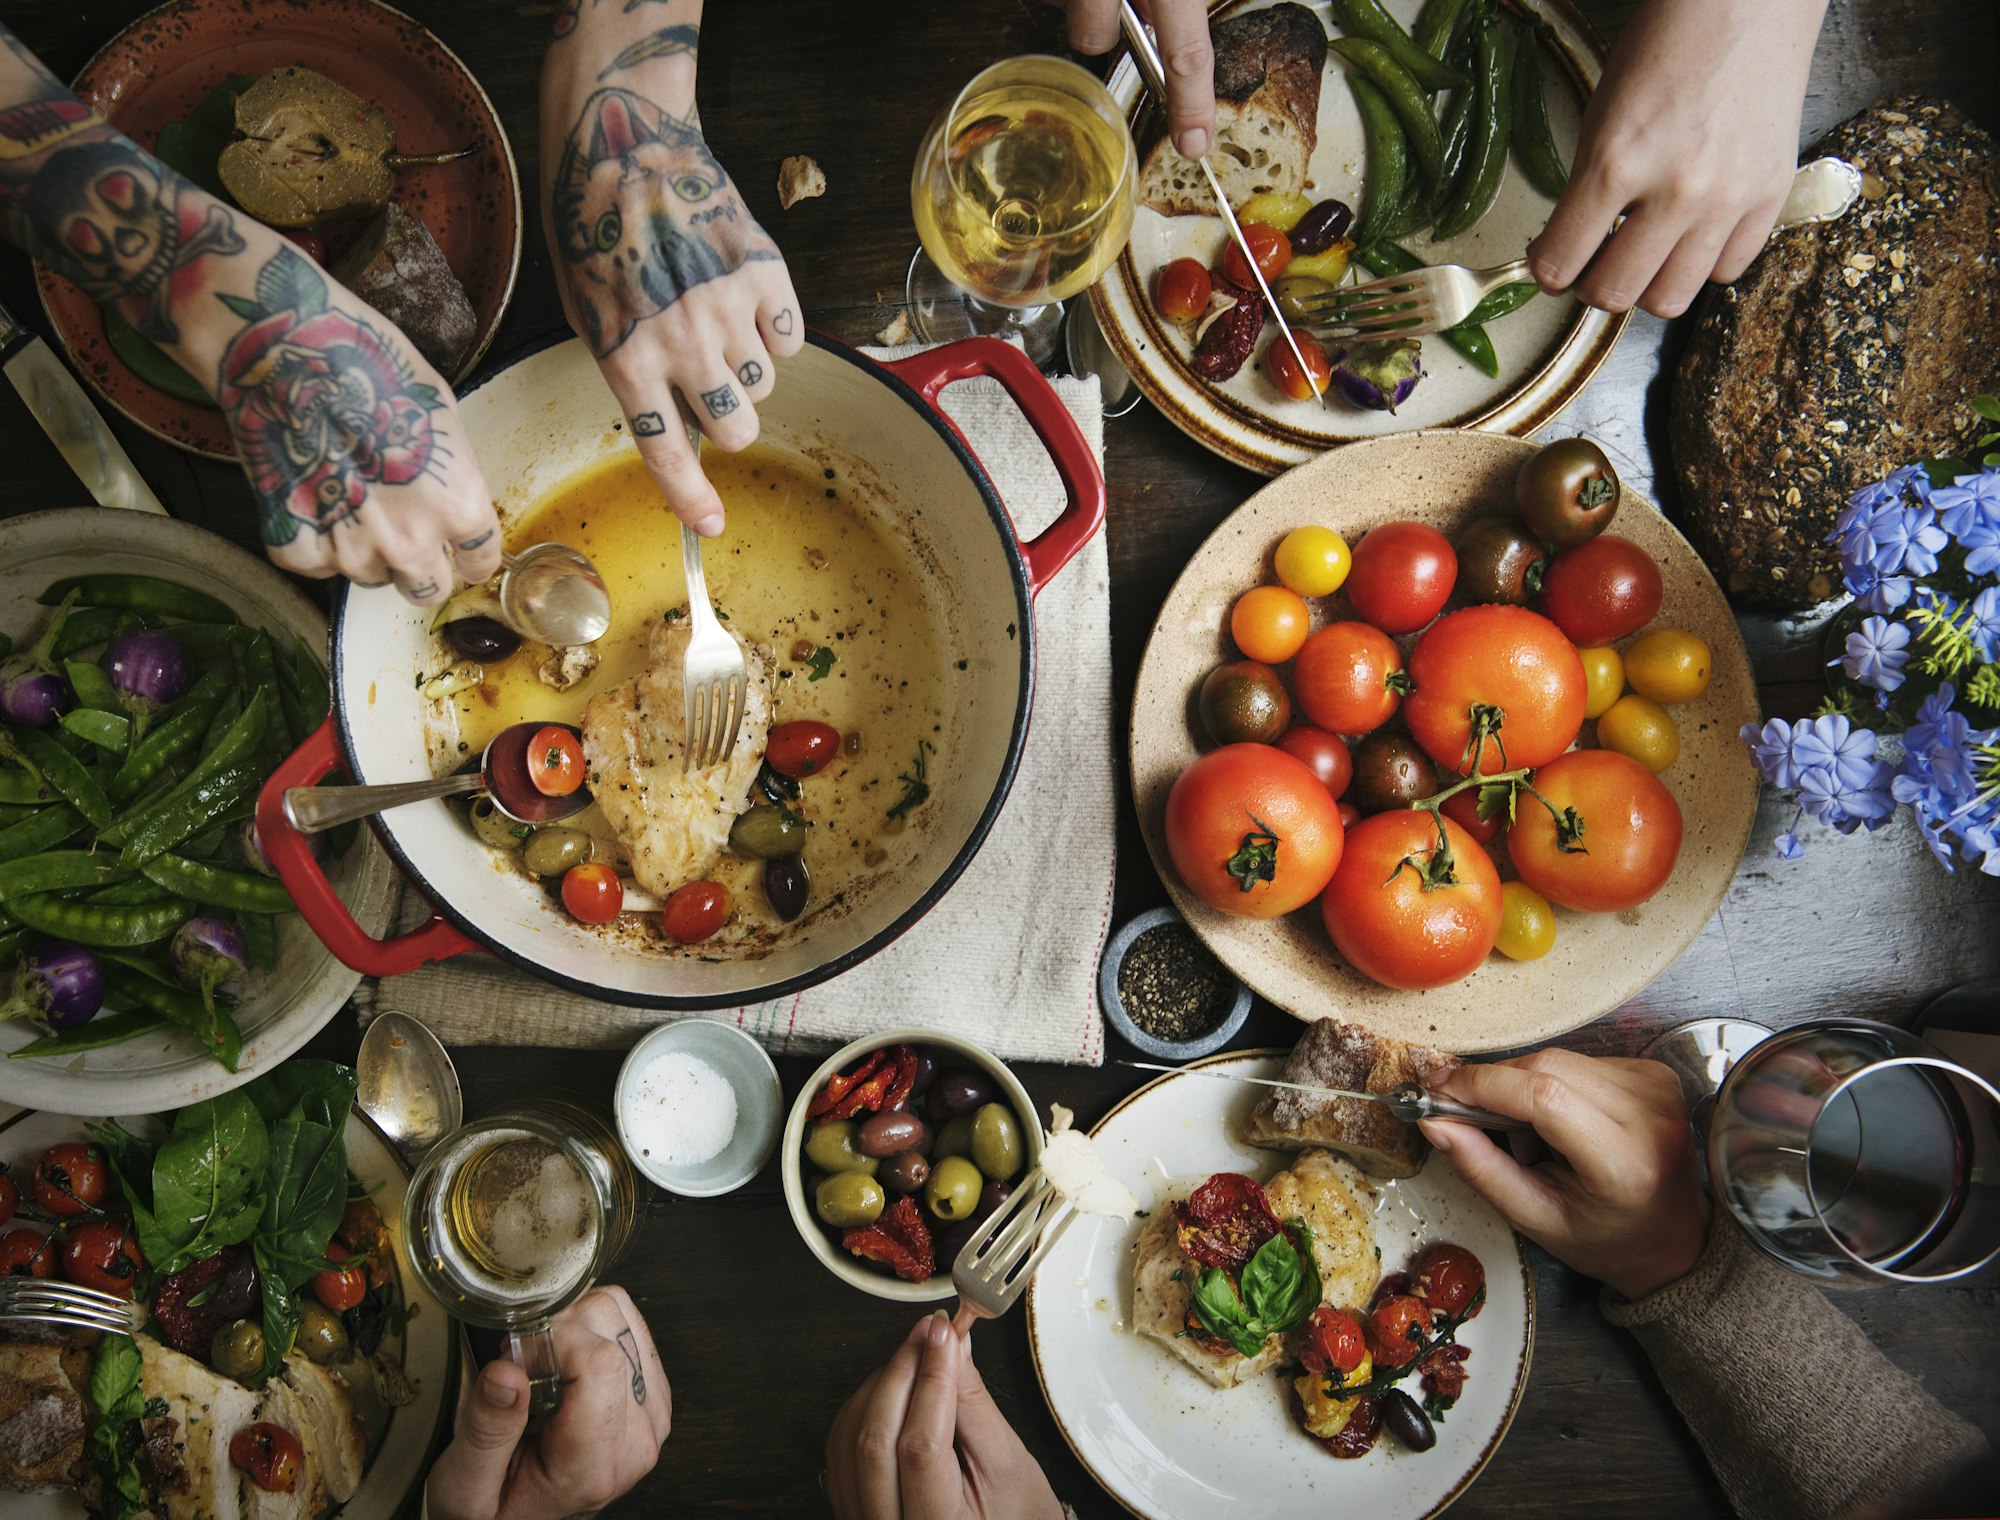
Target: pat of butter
{"points": [[1075, 1170]]}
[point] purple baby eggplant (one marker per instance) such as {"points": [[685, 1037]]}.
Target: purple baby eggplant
{"points": [[1379, 376], [205, 953], [33, 692], [59, 986]]}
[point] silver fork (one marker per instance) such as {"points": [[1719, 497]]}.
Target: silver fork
{"points": [[34, 1300], [993, 1268], [714, 682]]}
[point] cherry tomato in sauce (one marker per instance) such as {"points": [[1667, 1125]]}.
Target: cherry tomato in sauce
{"points": [[103, 1254], [1333, 1342], [1398, 1328], [1181, 290], [1448, 1278], [592, 892], [555, 761], [801, 748], [270, 1454], [1273, 251], [27, 1253], [340, 1289], [1300, 385], [71, 1180], [696, 911]]}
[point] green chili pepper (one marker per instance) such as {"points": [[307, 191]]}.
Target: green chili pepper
{"points": [[214, 887], [1497, 304], [89, 923], [105, 1029], [1406, 97], [1534, 138], [55, 870], [260, 939], [63, 771], [108, 731], [1486, 158], [218, 1033], [1436, 23], [1388, 159], [1470, 340], [95, 625], [92, 686], [141, 593], [47, 829], [130, 894], [221, 796], [1367, 21]]}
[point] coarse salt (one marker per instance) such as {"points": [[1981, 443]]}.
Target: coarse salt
{"points": [[682, 1111]]}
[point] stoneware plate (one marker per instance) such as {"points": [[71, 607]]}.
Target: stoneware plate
{"points": [[1166, 1444], [278, 1012], [428, 1348], [158, 69], [1599, 959], [1548, 350]]}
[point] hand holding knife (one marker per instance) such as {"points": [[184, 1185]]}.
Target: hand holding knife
{"points": [[1409, 1102], [74, 426]]}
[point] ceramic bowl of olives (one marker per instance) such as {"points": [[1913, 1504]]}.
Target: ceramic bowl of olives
{"points": [[896, 1150]]}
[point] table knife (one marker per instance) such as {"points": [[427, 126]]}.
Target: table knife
{"points": [[1139, 37], [1409, 1102], [74, 426]]}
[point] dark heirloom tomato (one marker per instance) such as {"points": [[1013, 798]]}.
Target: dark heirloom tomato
{"points": [[1628, 828], [1390, 771], [71, 1180], [1384, 921], [1326, 754], [1499, 560], [1398, 1329], [270, 1454], [1448, 1278], [1224, 1221], [1402, 576], [1506, 669], [1601, 591], [27, 1253], [103, 1254], [1344, 676], [1567, 491], [1180, 290], [1244, 702], [1333, 1342], [802, 747], [1251, 831]]}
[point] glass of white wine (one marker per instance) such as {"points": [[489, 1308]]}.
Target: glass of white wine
{"points": [[1023, 194]]}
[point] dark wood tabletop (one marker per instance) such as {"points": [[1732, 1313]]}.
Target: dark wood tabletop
{"points": [[761, 1345]]}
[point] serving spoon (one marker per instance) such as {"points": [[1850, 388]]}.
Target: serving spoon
{"points": [[553, 593], [407, 1084], [502, 774]]}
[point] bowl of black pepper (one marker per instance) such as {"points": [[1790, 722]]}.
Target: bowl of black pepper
{"points": [[1165, 992]]}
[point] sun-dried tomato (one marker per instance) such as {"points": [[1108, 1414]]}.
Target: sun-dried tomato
{"points": [[900, 1240], [838, 1086], [1224, 1221], [1228, 341], [1357, 1436], [905, 1081], [190, 1326], [1444, 1373], [886, 1086]]}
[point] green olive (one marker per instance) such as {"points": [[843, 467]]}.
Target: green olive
{"points": [[237, 1350], [321, 1334], [836, 1148], [1289, 291], [996, 1142], [954, 1188], [493, 826], [848, 1200], [954, 1139], [769, 832], [552, 851]]}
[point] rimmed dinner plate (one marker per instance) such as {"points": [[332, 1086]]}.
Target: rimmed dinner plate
{"points": [[1599, 959], [1169, 1446], [164, 64], [429, 1349], [1547, 351]]}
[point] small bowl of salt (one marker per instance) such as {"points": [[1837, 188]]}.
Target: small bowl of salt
{"points": [[698, 1107]]}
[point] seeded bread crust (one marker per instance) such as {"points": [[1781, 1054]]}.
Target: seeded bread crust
{"points": [[1268, 69], [1846, 350], [1346, 1056]]}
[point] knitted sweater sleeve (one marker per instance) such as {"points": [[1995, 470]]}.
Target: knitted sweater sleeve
{"points": [[1799, 1415]]}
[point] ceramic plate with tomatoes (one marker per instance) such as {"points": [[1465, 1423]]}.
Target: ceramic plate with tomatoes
{"points": [[1636, 924], [1169, 1446], [426, 1346], [1547, 351]]}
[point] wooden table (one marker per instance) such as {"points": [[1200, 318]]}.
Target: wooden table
{"points": [[761, 1346]]}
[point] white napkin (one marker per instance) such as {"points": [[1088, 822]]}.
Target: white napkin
{"points": [[1008, 958]]}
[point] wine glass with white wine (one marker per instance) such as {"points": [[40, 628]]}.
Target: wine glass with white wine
{"points": [[1023, 194]]}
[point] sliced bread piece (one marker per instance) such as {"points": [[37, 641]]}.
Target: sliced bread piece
{"points": [[1346, 1056]]}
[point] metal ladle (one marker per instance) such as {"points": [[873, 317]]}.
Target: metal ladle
{"points": [[553, 593], [502, 773], [407, 1084]]}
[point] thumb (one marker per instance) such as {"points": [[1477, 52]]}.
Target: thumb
{"points": [[470, 1475], [1524, 1199], [981, 1425]]}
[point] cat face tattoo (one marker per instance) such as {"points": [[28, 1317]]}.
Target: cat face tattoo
{"points": [[643, 213]]}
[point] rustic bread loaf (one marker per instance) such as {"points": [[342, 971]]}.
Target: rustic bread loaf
{"points": [[397, 267], [1846, 350], [1346, 1056], [1268, 68]]}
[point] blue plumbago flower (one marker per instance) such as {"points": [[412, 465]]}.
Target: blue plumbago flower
{"points": [[1907, 540], [1874, 592], [1787, 844], [1877, 651], [1771, 749], [1983, 623], [1969, 501], [1827, 796], [1982, 547], [1833, 744]]}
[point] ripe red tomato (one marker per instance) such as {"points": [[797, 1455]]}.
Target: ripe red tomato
{"points": [[1350, 815], [1347, 678], [103, 1254], [555, 761], [1600, 591], [10, 1195], [1333, 1342], [1299, 384], [1402, 576], [1273, 251], [802, 747], [1462, 808], [592, 892], [342, 1288], [1448, 1278], [270, 1454], [695, 911], [1631, 832], [1252, 831], [1388, 926], [71, 1180], [1506, 664], [27, 1253], [1397, 1329], [1181, 290], [1324, 753]]}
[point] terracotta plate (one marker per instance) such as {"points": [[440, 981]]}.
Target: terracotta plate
{"points": [[164, 64], [1548, 350], [1599, 960]]}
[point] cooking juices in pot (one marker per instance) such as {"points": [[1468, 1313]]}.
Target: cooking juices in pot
{"points": [[826, 589]]}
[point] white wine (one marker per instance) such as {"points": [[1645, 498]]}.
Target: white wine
{"points": [[1023, 194]]}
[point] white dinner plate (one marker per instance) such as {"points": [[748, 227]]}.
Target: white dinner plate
{"points": [[1169, 1446]]}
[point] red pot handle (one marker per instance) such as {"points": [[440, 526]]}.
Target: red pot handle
{"points": [[932, 370], [319, 905]]}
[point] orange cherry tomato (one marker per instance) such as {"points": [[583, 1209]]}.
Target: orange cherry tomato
{"points": [[1348, 678], [1273, 251], [103, 1254], [1300, 385], [1269, 623], [341, 1289], [1181, 290], [270, 1454], [27, 1253], [71, 1180], [555, 761], [592, 892], [696, 911]]}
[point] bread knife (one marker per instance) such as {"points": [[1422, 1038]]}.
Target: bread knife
{"points": [[1410, 1102], [1146, 55], [74, 426]]}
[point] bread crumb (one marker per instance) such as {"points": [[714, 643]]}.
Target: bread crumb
{"points": [[799, 179], [896, 333]]}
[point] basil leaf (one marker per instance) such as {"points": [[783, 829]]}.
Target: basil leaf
{"points": [[114, 1379], [1271, 1279], [1306, 1297], [205, 1180], [114, 1392], [1219, 1311], [281, 1314], [307, 1194], [321, 1091]]}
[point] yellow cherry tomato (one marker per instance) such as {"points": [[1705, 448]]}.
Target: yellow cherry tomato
{"points": [[1527, 923], [1313, 561], [1269, 624], [1603, 680], [1330, 266], [1275, 208], [1642, 729], [1668, 665]]}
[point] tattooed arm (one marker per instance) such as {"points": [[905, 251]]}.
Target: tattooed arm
{"points": [[663, 271], [352, 442]]}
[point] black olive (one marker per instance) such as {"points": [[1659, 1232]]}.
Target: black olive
{"points": [[1407, 1421], [482, 639], [776, 785], [1321, 227], [787, 885]]}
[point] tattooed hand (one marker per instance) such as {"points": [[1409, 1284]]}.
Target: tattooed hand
{"points": [[663, 271], [607, 1435]]}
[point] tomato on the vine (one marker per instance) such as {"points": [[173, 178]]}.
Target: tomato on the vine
{"points": [[1326, 754], [1462, 808], [1397, 1328], [695, 911], [1269, 623], [1332, 1342], [801, 748], [340, 1288], [1300, 384], [1388, 920], [555, 761], [1348, 678], [1503, 674], [1252, 831], [1527, 923], [592, 892], [1312, 561], [1181, 290], [1272, 249], [1598, 592], [27, 1253], [71, 1180], [1448, 1278], [103, 1254], [1402, 576], [1640, 727], [1623, 827]]}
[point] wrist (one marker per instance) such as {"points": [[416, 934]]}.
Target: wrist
{"points": [[1676, 1255]]}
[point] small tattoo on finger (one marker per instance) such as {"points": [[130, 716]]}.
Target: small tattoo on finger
{"points": [[721, 401], [648, 425], [477, 543], [751, 373], [781, 324], [424, 592], [629, 1344]]}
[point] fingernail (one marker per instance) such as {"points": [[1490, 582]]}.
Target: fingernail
{"points": [[500, 1395], [940, 1331], [1194, 142], [710, 526], [1439, 1135], [918, 1331]]}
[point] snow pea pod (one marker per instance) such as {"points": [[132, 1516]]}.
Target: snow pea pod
{"points": [[12, 942], [89, 923], [24, 788], [92, 686], [14, 812], [130, 893], [55, 870], [178, 736], [141, 593], [1381, 258], [95, 625], [209, 641], [1366, 20], [219, 797], [1457, 135], [1508, 298], [1534, 138], [66, 774], [218, 1033], [236, 744], [47, 829], [1406, 97], [1486, 158], [1388, 160], [105, 1029], [260, 939], [1436, 23], [241, 891], [108, 731]]}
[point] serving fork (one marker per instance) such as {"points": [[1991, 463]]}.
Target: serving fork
{"points": [[992, 1270], [715, 684], [35, 1300]]}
